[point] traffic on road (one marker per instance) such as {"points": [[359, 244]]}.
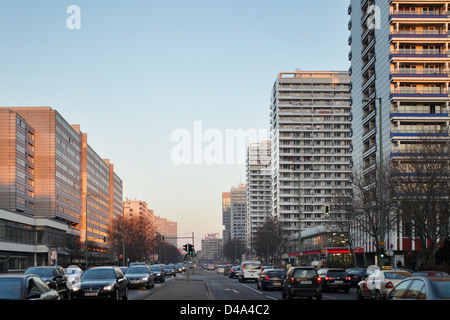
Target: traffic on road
{"points": [[248, 281]]}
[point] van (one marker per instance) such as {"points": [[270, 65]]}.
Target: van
{"points": [[250, 270]]}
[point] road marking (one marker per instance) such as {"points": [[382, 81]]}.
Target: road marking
{"points": [[227, 289], [259, 292]]}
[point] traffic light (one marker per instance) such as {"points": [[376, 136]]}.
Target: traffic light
{"points": [[382, 252], [326, 211], [191, 249], [185, 248]]}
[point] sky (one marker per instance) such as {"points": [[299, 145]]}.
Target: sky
{"points": [[137, 72]]}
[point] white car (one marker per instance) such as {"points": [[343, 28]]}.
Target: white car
{"points": [[74, 274], [379, 283]]}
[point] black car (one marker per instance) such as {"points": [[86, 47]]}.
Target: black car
{"points": [[334, 278], [140, 276], [301, 282], [234, 272], [170, 270], [271, 279], [54, 276], [25, 287], [101, 282], [158, 271], [356, 275]]}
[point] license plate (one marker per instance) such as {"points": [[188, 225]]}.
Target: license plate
{"points": [[90, 294], [277, 283], [338, 281], [305, 282]]}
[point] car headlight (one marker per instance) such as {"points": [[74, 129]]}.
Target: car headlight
{"points": [[108, 288], [144, 279], [75, 288]]}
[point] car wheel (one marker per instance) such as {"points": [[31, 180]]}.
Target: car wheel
{"points": [[377, 295], [125, 297], [283, 294], [359, 294]]}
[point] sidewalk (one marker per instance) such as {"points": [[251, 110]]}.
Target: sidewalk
{"points": [[181, 289]]}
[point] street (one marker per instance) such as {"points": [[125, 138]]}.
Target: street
{"points": [[223, 288]]}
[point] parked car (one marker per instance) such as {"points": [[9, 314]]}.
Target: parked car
{"points": [[334, 278], [54, 277], [379, 283], [101, 282], [25, 287], [234, 272], [421, 288], [356, 275], [226, 270], [140, 276], [250, 270], [431, 274], [302, 282], [158, 271], [74, 274], [271, 279]]}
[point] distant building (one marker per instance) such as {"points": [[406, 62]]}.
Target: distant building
{"points": [[226, 216], [212, 248], [259, 187], [238, 212], [168, 229]]}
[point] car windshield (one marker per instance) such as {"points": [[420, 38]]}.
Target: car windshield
{"points": [[42, 272], [92, 274], [442, 287], [169, 266], [10, 289], [397, 275], [276, 273], [137, 270]]}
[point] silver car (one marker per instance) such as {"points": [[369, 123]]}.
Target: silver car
{"points": [[140, 276]]}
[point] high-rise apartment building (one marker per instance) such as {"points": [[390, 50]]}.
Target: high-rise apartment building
{"points": [[168, 229], [212, 248], [400, 77], [238, 212], [226, 216], [311, 145], [140, 210], [259, 187], [400, 80]]}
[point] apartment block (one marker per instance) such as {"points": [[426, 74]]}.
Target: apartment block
{"points": [[259, 187], [400, 80], [140, 210], [311, 145], [212, 248], [238, 212], [226, 216], [168, 229]]}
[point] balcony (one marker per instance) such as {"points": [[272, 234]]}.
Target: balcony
{"points": [[419, 14], [424, 53], [428, 34], [420, 73], [420, 92]]}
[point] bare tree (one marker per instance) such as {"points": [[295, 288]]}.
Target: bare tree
{"points": [[270, 241], [422, 183]]}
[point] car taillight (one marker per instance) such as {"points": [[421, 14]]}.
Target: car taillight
{"points": [[389, 285], [348, 278], [318, 279], [267, 278], [328, 278], [292, 280]]}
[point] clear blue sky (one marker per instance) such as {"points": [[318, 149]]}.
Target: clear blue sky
{"points": [[139, 69]]}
